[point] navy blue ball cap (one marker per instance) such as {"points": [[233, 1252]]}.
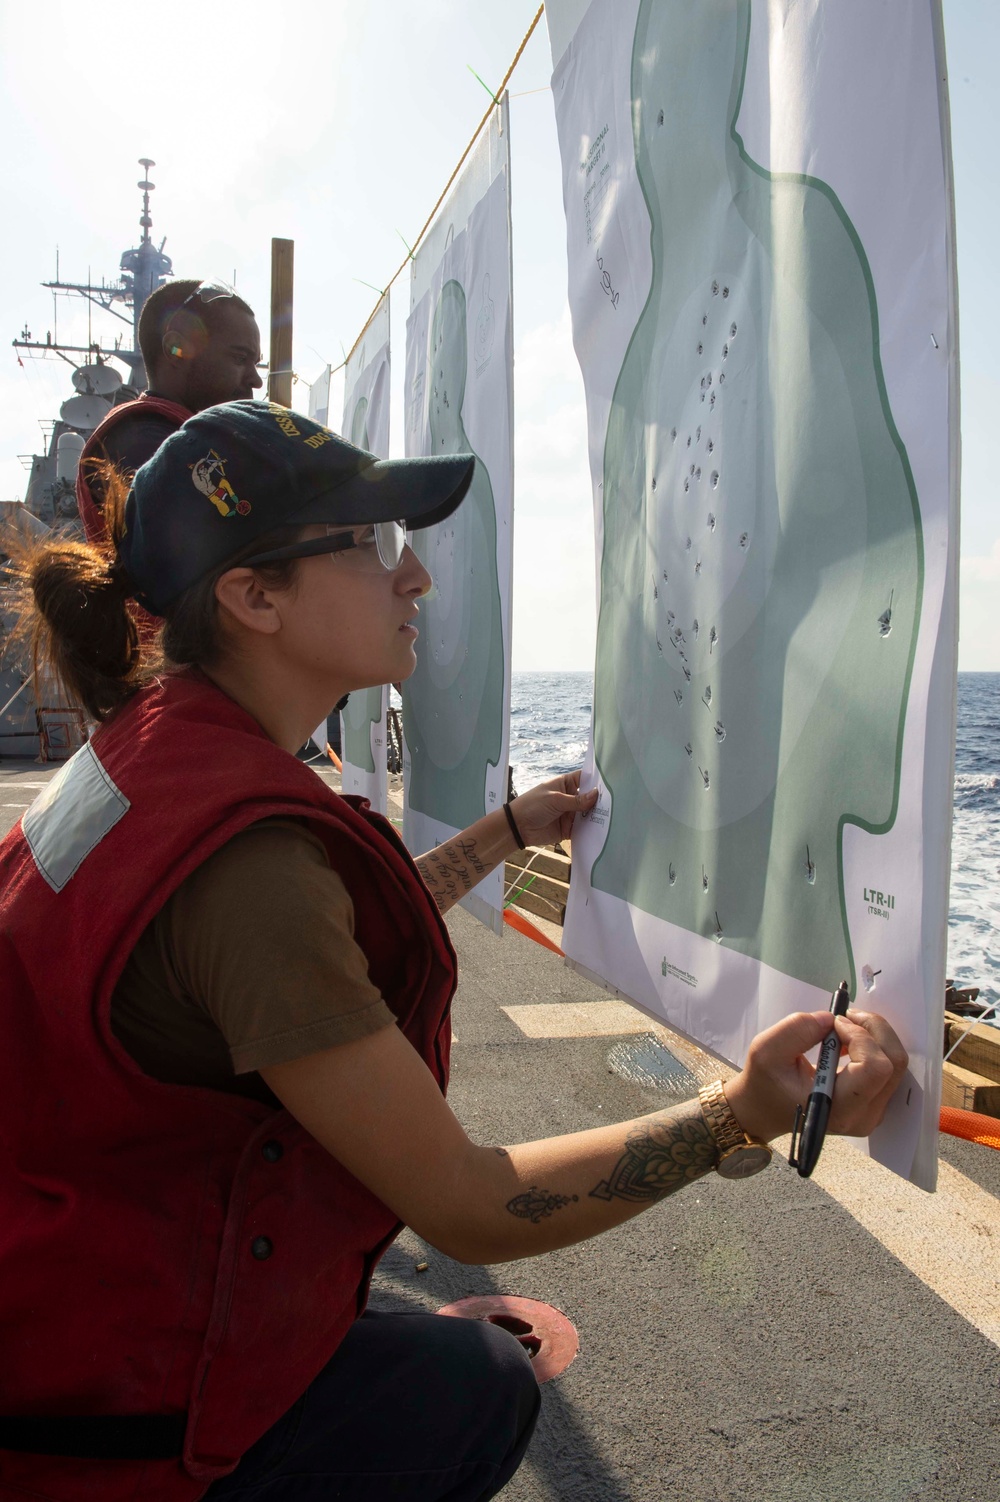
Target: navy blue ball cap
{"points": [[234, 473]]}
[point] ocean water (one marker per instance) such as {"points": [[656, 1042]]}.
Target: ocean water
{"points": [[550, 722]]}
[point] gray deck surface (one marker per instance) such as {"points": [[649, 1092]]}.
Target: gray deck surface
{"points": [[739, 1342]]}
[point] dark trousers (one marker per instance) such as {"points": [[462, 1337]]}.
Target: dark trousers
{"points": [[412, 1408]]}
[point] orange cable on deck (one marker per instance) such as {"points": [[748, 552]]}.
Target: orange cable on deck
{"points": [[521, 925], [972, 1125]]}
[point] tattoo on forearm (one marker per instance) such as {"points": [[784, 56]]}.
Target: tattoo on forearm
{"points": [[538, 1204], [659, 1157], [467, 848], [451, 871]]}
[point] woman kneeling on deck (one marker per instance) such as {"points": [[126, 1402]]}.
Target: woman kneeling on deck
{"points": [[226, 996]]}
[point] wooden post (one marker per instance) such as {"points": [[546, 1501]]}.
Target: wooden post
{"points": [[279, 380]]}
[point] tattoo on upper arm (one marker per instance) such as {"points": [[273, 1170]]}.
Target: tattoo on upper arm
{"points": [[538, 1204], [659, 1157]]}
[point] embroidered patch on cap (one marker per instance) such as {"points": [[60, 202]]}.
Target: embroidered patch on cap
{"points": [[64, 824], [209, 476]]}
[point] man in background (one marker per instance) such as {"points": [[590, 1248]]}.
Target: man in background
{"points": [[200, 345]]}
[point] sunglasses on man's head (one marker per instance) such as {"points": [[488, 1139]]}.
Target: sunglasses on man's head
{"points": [[382, 542], [210, 292]]}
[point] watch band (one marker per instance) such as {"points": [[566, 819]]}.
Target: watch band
{"points": [[721, 1122]]}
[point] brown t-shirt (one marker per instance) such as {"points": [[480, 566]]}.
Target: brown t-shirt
{"points": [[251, 962]]}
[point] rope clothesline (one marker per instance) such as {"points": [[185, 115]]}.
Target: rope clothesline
{"points": [[444, 192]]}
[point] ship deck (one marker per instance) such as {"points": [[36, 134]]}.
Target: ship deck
{"points": [[777, 1340]]}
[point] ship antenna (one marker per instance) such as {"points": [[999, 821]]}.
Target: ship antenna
{"points": [[147, 187]]}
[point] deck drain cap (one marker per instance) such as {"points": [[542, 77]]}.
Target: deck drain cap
{"points": [[645, 1062], [549, 1338]]}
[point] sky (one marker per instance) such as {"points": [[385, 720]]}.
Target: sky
{"points": [[337, 125]]}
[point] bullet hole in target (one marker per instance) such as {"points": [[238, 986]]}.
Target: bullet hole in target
{"points": [[673, 435], [701, 349], [744, 540], [659, 118], [654, 482], [711, 521], [697, 474], [714, 478], [885, 619], [725, 291], [715, 289], [732, 331], [687, 485]]}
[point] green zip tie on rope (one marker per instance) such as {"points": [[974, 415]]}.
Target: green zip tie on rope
{"points": [[522, 891], [485, 85]]}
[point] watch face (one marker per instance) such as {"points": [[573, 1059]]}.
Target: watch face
{"points": [[744, 1161]]}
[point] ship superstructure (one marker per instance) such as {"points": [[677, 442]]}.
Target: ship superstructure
{"points": [[35, 717], [98, 382]]}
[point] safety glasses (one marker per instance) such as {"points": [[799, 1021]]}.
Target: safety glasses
{"points": [[380, 545], [210, 292]]}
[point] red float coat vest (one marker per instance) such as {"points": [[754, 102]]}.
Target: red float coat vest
{"points": [[90, 514], [133, 1274]]}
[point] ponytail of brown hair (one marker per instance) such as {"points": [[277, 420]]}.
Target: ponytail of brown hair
{"points": [[77, 618], [72, 600]]}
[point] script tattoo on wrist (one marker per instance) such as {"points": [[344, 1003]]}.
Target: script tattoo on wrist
{"points": [[659, 1157], [538, 1204]]}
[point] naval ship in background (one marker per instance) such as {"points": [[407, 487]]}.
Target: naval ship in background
{"points": [[35, 718]]}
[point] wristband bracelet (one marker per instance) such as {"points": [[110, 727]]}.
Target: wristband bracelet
{"points": [[513, 827]]}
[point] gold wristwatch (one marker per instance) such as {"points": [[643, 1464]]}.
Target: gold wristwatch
{"points": [[739, 1155]]}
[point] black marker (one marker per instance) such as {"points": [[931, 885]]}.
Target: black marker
{"points": [[817, 1112]]}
